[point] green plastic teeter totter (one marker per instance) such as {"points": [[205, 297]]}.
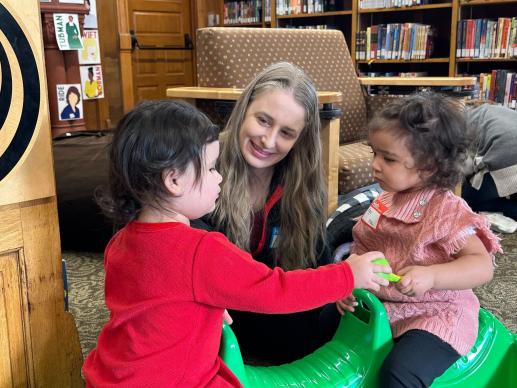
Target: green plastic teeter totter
{"points": [[362, 341]]}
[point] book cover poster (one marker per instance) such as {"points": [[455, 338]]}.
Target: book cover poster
{"points": [[69, 101], [91, 82], [90, 19], [91, 53], [68, 34]]}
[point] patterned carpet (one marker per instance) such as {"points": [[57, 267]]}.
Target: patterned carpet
{"points": [[86, 291]]}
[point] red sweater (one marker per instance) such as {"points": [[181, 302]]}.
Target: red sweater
{"points": [[167, 286]]}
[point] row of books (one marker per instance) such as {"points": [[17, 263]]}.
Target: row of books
{"points": [[246, 11], [394, 74], [313, 27], [499, 86], [486, 38], [404, 41], [368, 4], [290, 7]]}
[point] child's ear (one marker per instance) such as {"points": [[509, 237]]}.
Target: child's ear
{"points": [[427, 174], [172, 181]]}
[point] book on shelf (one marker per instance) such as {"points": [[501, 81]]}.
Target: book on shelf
{"points": [[398, 41], [487, 38], [313, 27], [499, 86], [267, 11], [293, 7], [370, 4], [242, 12]]}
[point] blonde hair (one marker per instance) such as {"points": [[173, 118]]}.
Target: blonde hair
{"points": [[300, 173]]}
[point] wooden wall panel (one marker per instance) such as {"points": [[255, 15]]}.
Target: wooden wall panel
{"points": [[14, 368], [39, 344]]}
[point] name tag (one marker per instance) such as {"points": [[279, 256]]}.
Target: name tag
{"points": [[373, 214], [274, 235]]}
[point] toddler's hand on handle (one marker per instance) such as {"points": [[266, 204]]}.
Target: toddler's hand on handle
{"points": [[364, 271], [227, 318], [346, 304]]}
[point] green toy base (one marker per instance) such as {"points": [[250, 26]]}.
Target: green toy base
{"points": [[362, 341]]}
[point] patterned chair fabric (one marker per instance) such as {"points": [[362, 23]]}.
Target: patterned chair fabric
{"points": [[231, 57]]}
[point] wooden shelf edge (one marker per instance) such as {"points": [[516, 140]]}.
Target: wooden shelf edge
{"points": [[463, 3], [256, 24], [428, 60], [417, 81], [233, 94], [313, 15], [470, 60], [407, 8]]}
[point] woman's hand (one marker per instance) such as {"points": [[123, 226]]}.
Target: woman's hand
{"points": [[416, 280], [346, 304]]}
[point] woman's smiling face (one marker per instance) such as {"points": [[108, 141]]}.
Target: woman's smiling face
{"points": [[272, 124]]}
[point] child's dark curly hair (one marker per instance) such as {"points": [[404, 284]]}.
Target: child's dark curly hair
{"points": [[435, 131]]}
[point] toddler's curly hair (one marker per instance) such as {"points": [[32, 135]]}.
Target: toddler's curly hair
{"points": [[435, 131]]}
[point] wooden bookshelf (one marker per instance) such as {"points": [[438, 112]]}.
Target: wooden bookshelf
{"points": [[442, 15], [428, 60], [314, 15], [342, 16], [486, 2], [418, 81], [408, 8], [490, 60], [485, 55]]}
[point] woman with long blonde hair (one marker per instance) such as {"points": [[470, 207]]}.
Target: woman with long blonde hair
{"points": [[273, 199]]}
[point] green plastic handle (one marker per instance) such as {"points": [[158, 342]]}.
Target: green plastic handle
{"points": [[388, 276]]}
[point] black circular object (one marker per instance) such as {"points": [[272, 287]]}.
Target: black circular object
{"points": [[31, 91]]}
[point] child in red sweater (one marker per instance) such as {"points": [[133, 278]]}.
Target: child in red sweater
{"points": [[431, 236], [167, 284]]}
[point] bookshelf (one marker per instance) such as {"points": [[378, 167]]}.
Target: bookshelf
{"points": [[445, 19], [322, 14], [486, 46], [412, 39]]}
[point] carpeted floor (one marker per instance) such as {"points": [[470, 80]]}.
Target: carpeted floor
{"points": [[86, 291]]}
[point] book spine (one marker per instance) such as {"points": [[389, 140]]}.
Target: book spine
{"points": [[458, 39]]}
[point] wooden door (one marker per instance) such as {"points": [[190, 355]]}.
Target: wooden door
{"points": [[39, 345], [152, 34]]}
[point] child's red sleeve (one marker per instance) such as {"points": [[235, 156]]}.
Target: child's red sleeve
{"points": [[227, 277]]}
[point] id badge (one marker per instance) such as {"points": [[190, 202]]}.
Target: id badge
{"points": [[274, 235], [373, 214]]}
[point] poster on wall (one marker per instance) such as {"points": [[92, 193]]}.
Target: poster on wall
{"points": [[90, 19], [69, 101], [91, 82], [68, 35], [91, 53]]}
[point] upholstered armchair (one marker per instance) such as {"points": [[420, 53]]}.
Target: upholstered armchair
{"points": [[230, 57]]}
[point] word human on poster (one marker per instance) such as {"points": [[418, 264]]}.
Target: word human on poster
{"points": [[68, 34], [91, 53], [69, 101], [91, 82]]}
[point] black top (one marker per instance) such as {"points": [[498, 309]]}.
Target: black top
{"points": [[278, 338]]}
